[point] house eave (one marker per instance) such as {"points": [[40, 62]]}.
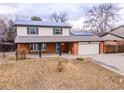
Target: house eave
{"points": [[42, 26], [48, 39]]}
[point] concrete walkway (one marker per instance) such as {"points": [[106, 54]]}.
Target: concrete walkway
{"points": [[114, 62]]}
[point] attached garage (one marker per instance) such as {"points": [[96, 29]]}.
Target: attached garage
{"points": [[86, 48]]}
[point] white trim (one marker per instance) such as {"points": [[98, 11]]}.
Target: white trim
{"points": [[32, 29], [57, 30], [35, 46]]}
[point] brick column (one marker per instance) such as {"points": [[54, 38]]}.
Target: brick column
{"points": [[75, 48], [101, 48]]}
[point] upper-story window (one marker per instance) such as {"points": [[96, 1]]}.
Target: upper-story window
{"points": [[32, 30], [57, 31]]}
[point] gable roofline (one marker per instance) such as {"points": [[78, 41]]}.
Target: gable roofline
{"points": [[112, 33], [116, 35], [104, 34], [116, 28]]}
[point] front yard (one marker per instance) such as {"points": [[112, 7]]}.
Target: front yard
{"points": [[43, 74]]}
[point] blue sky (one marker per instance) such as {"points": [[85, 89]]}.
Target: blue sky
{"points": [[76, 11]]}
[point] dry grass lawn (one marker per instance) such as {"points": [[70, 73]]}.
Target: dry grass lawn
{"points": [[42, 74]]}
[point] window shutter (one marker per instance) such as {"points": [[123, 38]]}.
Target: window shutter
{"points": [[61, 30], [37, 30], [53, 31], [27, 30]]}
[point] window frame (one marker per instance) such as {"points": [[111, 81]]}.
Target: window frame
{"points": [[35, 47], [55, 31], [30, 30]]}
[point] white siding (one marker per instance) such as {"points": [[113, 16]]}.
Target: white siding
{"points": [[65, 31], [21, 31], [43, 31], [86, 48]]}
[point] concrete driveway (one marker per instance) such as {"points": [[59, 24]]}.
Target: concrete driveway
{"points": [[114, 62]]}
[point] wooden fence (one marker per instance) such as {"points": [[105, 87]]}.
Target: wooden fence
{"points": [[114, 48], [7, 47]]}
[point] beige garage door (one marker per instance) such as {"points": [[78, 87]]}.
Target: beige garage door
{"points": [[84, 48]]}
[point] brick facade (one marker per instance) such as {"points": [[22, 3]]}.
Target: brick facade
{"points": [[23, 46], [101, 48], [73, 48], [51, 48]]}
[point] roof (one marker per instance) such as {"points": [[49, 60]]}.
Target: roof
{"points": [[78, 33], [116, 28], [112, 37], [36, 39], [118, 33], [41, 23], [111, 32], [100, 33]]}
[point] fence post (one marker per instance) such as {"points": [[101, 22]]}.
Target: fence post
{"points": [[3, 50], [39, 50], [16, 52]]}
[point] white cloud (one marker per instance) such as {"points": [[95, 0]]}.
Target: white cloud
{"points": [[77, 24], [75, 11], [5, 9], [121, 17]]}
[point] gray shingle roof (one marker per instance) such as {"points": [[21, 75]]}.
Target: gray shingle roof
{"points": [[36, 39], [116, 32], [40, 23]]}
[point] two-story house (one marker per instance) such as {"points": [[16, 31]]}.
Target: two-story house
{"points": [[48, 37]]}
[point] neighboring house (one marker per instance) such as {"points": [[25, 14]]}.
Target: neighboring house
{"points": [[114, 40], [46, 37]]}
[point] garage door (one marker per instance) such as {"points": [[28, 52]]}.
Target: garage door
{"points": [[86, 48]]}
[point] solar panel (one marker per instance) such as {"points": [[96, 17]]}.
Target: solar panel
{"points": [[82, 33], [40, 23]]}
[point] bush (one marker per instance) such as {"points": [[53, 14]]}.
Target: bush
{"points": [[80, 58], [60, 66], [21, 54]]}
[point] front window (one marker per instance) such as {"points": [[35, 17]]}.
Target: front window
{"points": [[57, 31], [32, 30], [36, 47]]}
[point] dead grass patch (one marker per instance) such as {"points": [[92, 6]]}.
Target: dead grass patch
{"points": [[41, 74]]}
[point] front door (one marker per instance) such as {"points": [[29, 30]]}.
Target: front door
{"points": [[58, 47]]}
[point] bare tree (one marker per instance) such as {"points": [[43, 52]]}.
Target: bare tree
{"points": [[3, 30], [59, 17], [102, 18], [7, 30], [6, 26], [11, 33]]}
